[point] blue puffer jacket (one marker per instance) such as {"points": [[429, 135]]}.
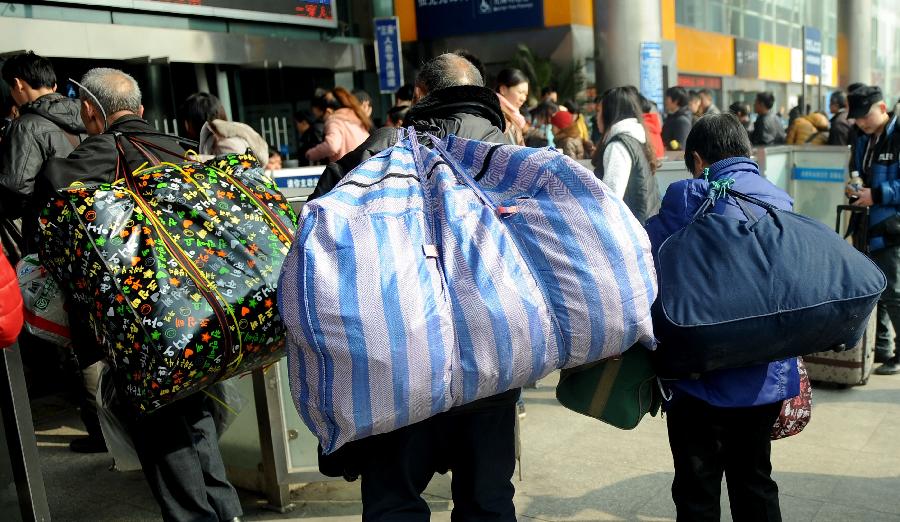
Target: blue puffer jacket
{"points": [[884, 179], [740, 387]]}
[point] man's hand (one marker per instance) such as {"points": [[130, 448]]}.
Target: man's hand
{"points": [[864, 198]]}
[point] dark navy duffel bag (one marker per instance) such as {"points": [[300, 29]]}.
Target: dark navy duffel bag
{"points": [[734, 293]]}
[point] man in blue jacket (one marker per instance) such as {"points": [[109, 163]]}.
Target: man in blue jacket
{"points": [[721, 422], [875, 155]]}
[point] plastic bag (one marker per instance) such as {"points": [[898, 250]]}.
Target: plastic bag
{"points": [[45, 307], [118, 442]]}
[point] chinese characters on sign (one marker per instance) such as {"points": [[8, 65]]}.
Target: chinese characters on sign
{"points": [[443, 18], [388, 57], [651, 72]]}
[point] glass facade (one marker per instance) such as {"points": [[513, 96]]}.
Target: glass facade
{"points": [[775, 21], [886, 46]]}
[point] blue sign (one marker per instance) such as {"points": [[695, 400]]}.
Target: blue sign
{"points": [[829, 175], [443, 18], [388, 57], [812, 51], [651, 72]]}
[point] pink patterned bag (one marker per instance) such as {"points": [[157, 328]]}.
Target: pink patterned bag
{"points": [[795, 412]]}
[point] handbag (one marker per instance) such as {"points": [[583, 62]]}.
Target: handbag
{"points": [[735, 293], [796, 411], [44, 305], [618, 391], [433, 276], [176, 268]]}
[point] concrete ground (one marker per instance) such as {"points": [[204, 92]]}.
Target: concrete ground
{"points": [[844, 466]]}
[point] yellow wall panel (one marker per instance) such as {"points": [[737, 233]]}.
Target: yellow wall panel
{"points": [[582, 12], [557, 12], [700, 52], [774, 62], [406, 12], [667, 14]]}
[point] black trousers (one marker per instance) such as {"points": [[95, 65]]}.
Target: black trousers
{"points": [[707, 441], [478, 446], [179, 451]]}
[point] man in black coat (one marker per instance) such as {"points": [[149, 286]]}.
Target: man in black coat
{"points": [[679, 118], [178, 444], [49, 125], [767, 129], [477, 440], [840, 127]]}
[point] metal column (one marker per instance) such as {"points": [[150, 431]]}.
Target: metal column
{"points": [[855, 32], [20, 440], [620, 26]]}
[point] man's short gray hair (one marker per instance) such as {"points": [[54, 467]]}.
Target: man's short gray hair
{"points": [[114, 90], [448, 70]]}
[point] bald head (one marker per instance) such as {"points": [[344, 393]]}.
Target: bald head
{"points": [[113, 89], [447, 70]]}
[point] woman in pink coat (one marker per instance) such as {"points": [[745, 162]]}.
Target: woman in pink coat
{"points": [[346, 125]]}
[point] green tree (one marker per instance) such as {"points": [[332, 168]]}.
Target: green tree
{"points": [[568, 79]]}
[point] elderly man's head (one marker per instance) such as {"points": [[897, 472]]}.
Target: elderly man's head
{"points": [[447, 70], [107, 95]]}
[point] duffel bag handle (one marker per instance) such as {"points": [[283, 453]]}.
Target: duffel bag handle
{"points": [[739, 198], [461, 175]]}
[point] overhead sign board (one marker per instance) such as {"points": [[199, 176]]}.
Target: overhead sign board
{"points": [[812, 50], [388, 58], [443, 18], [746, 58], [321, 13], [651, 72]]}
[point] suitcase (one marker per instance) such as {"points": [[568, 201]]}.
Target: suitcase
{"points": [[850, 367]]}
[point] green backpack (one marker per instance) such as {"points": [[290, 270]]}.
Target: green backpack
{"points": [[617, 391]]}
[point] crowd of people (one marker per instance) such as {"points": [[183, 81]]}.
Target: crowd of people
{"points": [[718, 423]]}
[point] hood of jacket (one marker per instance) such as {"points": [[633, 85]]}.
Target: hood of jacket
{"points": [[448, 109], [653, 122], [222, 130], [818, 120], [629, 126], [62, 111]]}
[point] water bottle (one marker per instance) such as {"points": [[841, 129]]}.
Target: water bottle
{"points": [[855, 185]]}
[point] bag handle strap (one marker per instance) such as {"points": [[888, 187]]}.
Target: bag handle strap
{"points": [[461, 175], [721, 188]]}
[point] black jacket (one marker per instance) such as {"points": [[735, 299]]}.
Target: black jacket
{"points": [[676, 128], [46, 128], [840, 129], [767, 130], [466, 111], [95, 160], [309, 139]]}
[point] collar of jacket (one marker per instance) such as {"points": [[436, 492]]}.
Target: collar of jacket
{"points": [[125, 121], [462, 99], [726, 167]]}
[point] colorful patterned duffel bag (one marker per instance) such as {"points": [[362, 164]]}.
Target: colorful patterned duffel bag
{"points": [[177, 266]]}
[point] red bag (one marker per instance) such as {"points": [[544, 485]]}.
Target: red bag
{"points": [[795, 412]]}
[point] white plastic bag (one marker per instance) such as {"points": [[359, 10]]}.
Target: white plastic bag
{"points": [[45, 307], [118, 442]]}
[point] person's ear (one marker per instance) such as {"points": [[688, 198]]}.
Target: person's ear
{"points": [[883, 106], [140, 111], [698, 164], [418, 94], [18, 84]]}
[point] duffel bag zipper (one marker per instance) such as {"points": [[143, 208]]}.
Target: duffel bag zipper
{"points": [[204, 286], [275, 220]]}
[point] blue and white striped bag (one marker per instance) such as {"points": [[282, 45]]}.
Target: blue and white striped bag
{"points": [[412, 288]]}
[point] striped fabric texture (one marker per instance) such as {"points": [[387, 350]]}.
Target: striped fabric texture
{"points": [[412, 288]]}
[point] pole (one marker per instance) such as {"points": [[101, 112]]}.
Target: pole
{"points": [[802, 100]]}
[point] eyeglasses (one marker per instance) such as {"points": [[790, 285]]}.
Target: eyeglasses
{"points": [[96, 101]]}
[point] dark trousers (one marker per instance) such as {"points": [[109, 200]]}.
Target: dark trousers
{"points": [[707, 441], [478, 446], [888, 260], [179, 451]]}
